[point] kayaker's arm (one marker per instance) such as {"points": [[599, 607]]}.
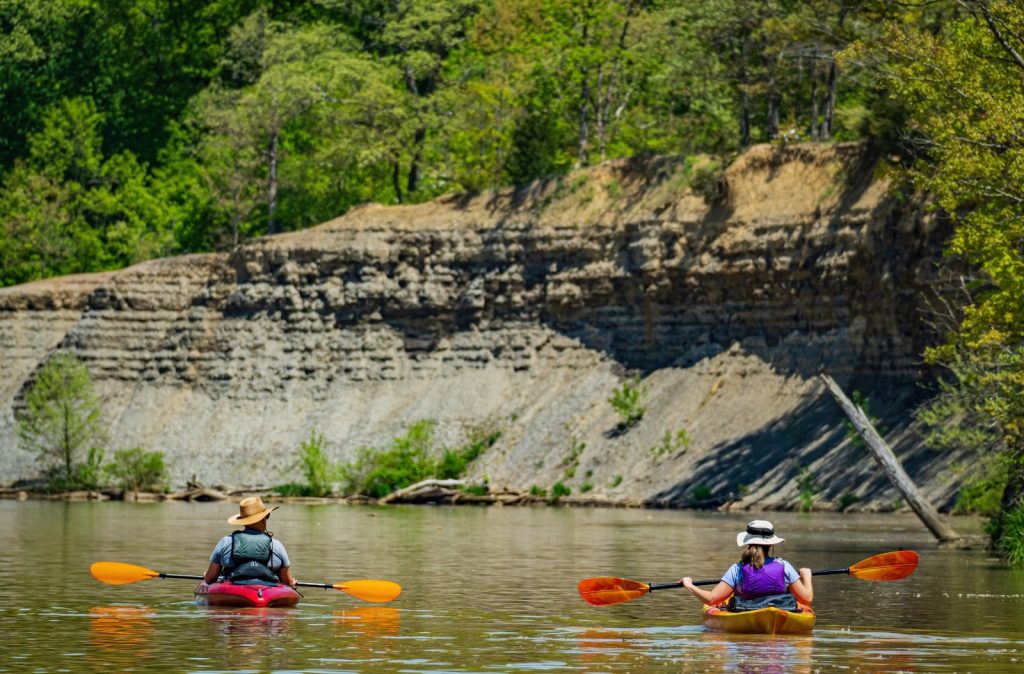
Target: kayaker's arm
{"points": [[802, 589], [285, 574], [212, 573], [718, 593]]}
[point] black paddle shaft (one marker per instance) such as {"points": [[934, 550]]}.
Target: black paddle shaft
{"points": [[325, 586], [665, 586]]}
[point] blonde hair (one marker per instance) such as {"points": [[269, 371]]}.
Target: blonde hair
{"points": [[755, 555]]}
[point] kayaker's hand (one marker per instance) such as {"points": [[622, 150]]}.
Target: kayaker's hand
{"points": [[805, 574], [687, 583]]}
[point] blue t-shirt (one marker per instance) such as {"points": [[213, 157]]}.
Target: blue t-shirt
{"points": [[732, 575], [278, 556]]}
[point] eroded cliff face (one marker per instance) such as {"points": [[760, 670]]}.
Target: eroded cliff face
{"points": [[525, 308]]}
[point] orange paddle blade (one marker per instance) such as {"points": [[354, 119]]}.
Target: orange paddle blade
{"points": [[371, 590], [607, 590], [119, 573], [886, 566]]}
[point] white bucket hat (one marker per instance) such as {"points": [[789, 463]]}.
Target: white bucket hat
{"points": [[759, 532]]}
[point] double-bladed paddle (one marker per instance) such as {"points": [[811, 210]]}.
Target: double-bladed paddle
{"points": [[607, 590], [119, 573]]}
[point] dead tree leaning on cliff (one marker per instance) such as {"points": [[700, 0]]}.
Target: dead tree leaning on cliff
{"points": [[891, 465]]}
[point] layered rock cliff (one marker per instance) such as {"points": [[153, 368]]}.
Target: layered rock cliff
{"points": [[525, 308]]}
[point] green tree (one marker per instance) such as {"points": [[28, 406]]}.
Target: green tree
{"points": [[61, 420], [68, 209], [962, 86], [294, 106]]}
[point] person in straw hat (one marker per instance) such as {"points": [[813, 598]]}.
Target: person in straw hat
{"points": [[252, 554], [758, 574]]}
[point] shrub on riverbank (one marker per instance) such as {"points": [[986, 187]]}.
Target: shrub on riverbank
{"points": [[627, 400], [138, 470], [413, 457]]}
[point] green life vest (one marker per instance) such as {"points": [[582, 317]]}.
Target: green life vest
{"points": [[251, 552]]}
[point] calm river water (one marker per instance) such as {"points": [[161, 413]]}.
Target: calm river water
{"points": [[485, 590]]}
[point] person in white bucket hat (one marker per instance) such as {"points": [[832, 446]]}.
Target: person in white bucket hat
{"points": [[758, 574]]}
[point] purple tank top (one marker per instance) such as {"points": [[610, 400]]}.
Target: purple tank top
{"points": [[769, 579]]}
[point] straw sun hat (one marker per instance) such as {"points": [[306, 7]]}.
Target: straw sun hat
{"points": [[251, 510], [759, 532]]}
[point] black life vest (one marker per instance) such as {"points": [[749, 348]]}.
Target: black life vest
{"points": [[251, 552]]}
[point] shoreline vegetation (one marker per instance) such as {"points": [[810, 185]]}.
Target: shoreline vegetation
{"points": [[427, 492]]}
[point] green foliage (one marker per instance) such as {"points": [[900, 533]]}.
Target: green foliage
{"points": [[315, 466], [983, 482], [61, 420], [585, 487], [861, 401], [479, 438], [558, 490], [378, 472], [700, 494], [1008, 530], [846, 499], [66, 208], [539, 492], [413, 457], [960, 84], [627, 400], [616, 481], [214, 121], [808, 488], [572, 459], [671, 443], [292, 489], [136, 469]]}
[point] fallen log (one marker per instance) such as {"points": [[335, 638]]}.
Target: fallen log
{"points": [[425, 491], [891, 466]]}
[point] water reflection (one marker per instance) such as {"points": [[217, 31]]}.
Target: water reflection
{"points": [[756, 654], [248, 628], [370, 621], [612, 649], [120, 635]]}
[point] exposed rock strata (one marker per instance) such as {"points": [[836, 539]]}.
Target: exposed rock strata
{"points": [[526, 307]]}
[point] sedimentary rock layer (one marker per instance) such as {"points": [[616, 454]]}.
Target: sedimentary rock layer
{"points": [[524, 309]]}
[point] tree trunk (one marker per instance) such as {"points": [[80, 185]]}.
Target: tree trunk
{"points": [[1013, 493], [583, 132], [396, 181], [773, 116], [891, 465], [814, 107], [67, 442], [414, 167], [830, 102], [744, 120], [272, 182]]}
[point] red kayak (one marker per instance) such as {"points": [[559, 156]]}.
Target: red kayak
{"points": [[259, 596]]}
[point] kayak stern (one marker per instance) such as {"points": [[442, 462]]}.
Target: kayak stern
{"points": [[769, 620], [246, 596]]}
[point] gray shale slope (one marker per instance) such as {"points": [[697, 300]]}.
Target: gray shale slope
{"points": [[524, 309]]}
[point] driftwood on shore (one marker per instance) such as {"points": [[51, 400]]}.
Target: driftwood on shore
{"points": [[891, 466], [461, 492]]}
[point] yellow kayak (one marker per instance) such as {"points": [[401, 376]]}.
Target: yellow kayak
{"points": [[769, 620]]}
